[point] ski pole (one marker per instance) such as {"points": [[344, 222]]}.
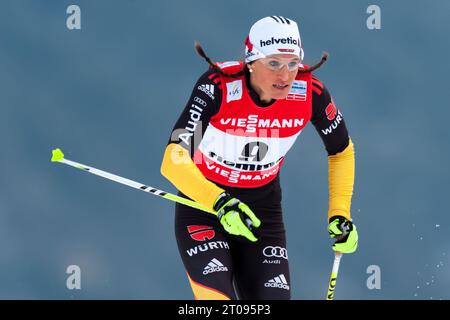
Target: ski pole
{"points": [[334, 274], [58, 156]]}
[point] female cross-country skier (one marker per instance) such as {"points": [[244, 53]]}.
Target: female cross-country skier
{"points": [[226, 151]]}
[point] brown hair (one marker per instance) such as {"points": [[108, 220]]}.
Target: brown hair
{"points": [[202, 54]]}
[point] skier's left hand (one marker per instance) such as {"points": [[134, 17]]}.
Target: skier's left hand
{"points": [[345, 232]]}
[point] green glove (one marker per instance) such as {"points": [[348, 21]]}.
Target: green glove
{"points": [[236, 217], [346, 234]]}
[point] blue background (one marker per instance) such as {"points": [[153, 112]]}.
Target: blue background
{"points": [[109, 94]]}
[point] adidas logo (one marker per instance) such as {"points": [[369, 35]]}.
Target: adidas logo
{"points": [[208, 89], [277, 282], [214, 266]]}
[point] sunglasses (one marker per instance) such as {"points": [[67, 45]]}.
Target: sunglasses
{"points": [[276, 64]]}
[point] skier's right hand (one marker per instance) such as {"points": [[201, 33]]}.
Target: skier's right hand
{"points": [[236, 217]]}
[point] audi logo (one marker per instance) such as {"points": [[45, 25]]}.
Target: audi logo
{"points": [[277, 252], [200, 101]]}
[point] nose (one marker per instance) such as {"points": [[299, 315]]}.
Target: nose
{"points": [[284, 74]]}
